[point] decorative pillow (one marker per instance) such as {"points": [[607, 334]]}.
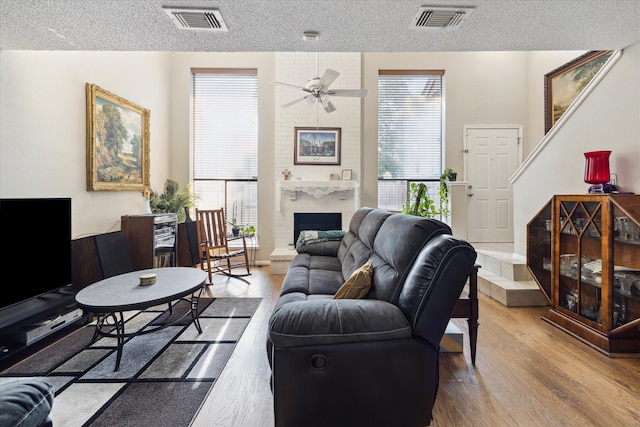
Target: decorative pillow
{"points": [[358, 284]]}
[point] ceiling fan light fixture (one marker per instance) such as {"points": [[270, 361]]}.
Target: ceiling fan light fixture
{"points": [[329, 107]]}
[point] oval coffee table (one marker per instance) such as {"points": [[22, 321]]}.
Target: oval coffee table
{"points": [[111, 297]]}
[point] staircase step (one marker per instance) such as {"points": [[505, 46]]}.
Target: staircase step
{"points": [[508, 265], [452, 341], [512, 293]]}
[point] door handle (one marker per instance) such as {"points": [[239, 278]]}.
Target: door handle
{"points": [[470, 194]]}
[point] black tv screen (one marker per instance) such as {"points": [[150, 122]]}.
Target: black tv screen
{"points": [[36, 235]]}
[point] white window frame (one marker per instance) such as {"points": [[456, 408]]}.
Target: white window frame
{"points": [[225, 143], [410, 130]]}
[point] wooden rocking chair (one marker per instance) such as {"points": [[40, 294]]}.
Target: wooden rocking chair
{"points": [[213, 244]]}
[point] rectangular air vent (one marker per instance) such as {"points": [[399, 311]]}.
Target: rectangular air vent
{"points": [[196, 19], [441, 17]]}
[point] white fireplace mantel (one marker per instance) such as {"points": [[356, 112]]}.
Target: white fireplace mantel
{"points": [[318, 189]]}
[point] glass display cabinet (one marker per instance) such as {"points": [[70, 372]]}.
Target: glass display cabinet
{"points": [[584, 253]]}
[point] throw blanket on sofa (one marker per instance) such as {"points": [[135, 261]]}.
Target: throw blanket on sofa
{"points": [[308, 237]]}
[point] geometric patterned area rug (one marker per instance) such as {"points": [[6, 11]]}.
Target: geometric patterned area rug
{"points": [[163, 378]]}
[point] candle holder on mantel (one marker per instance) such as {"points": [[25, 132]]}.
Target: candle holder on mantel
{"points": [[596, 170]]}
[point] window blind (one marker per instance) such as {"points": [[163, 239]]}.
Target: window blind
{"points": [[225, 142], [410, 124], [225, 121]]}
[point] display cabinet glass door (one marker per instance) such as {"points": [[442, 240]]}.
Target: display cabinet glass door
{"points": [[539, 255], [594, 281], [626, 269], [582, 261]]}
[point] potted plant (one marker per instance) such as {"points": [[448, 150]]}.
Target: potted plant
{"points": [[172, 200], [238, 229], [248, 230], [419, 202], [235, 228], [448, 175]]}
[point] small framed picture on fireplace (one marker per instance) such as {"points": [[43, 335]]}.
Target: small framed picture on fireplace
{"points": [[346, 174], [317, 146]]}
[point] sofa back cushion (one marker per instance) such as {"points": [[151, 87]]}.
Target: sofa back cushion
{"points": [[357, 245], [434, 284], [396, 245]]}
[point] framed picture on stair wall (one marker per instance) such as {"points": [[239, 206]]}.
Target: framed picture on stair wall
{"points": [[117, 142], [316, 146], [563, 85]]}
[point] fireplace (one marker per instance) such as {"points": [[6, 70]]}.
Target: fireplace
{"points": [[316, 221]]}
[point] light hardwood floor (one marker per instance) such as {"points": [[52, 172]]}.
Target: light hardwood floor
{"points": [[527, 373]]}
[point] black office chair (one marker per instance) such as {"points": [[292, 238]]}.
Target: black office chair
{"points": [[113, 254], [191, 228]]}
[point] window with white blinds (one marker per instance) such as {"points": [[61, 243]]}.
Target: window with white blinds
{"points": [[225, 134], [410, 132]]}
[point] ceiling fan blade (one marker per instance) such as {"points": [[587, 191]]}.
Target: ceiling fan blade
{"points": [[328, 77], [295, 101], [288, 85], [348, 92]]}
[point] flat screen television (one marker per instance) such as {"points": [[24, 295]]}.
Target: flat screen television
{"points": [[36, 235]]}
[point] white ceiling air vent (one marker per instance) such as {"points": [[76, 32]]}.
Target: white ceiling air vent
{"points": [[441, 17], [196, 19]]}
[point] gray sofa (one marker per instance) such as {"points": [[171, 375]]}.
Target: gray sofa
{"points": [[370, 361]]}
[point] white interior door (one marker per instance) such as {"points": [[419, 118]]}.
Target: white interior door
{"points": [[493, 154]]}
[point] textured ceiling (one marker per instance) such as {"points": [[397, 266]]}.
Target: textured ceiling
{"points": [[344, 26]]}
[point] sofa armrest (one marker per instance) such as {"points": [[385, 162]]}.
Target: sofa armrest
{"points": [[329, 321]]}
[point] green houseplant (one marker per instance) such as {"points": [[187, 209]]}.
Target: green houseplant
{"points": [[240, 229], [419, 203], [172, 200], [447, 175]]}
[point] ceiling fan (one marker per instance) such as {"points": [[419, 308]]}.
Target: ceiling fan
{"points": [[318, 90]]}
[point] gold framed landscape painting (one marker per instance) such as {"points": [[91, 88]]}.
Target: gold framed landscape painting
{"points": [[117, 142], [563, 85]]}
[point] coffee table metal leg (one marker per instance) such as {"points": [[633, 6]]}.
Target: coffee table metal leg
{"points": [[103, 327], [194, 309], [119, 325]]}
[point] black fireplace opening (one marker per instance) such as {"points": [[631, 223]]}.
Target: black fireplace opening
{"points": [[316, 221]]}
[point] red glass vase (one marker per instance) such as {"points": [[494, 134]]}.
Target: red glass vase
{"points": [[596, 169]]}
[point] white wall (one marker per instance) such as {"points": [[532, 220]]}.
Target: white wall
{"points": [[539, 64], [297, 68], [481, 89], [608, 119], [43, 122], [43, 127], [181, 155]]}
